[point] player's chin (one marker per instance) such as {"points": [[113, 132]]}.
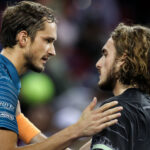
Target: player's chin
{"points": [[42, 68], [39, 68], [99, 83]]}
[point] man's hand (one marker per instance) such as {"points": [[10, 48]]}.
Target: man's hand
{"points": [[93, 120]]}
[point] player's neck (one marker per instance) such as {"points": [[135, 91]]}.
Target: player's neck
{"points": [[16, 58], [120, 88]]}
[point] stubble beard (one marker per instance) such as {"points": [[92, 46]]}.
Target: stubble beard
{"points": [[35, 68], [110, 82], [30, 65]]}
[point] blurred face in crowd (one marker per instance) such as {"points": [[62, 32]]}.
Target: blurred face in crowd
{"points": [[106, 66], [42, 48]]}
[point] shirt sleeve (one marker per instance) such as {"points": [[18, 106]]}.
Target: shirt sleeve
{"points": [[8, 104]]}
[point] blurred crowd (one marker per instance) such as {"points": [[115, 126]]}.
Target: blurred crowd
{"points": [[83, 27]]}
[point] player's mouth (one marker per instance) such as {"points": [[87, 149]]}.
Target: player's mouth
{"points": [[99, 71], [45, 59]]}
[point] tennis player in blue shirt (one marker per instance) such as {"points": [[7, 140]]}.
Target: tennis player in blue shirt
{"points": [[28, 33]]}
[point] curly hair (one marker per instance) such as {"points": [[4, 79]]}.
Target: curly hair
{"points": [[134, 42], [25, 15]]}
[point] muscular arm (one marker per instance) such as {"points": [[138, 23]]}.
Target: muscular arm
{"points": [[40, 137], [91, 122], [58, 141]]}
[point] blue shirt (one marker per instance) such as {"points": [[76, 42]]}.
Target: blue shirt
{"points": [[9, 90]]}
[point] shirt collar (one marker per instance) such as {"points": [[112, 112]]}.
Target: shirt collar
{"points": [[12, 72]]}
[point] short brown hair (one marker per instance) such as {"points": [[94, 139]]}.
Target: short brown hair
{"points": [[134, 41], [25, 15]]}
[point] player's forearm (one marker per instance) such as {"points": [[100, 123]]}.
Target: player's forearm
{"points": [[60, 140], [38, 138]]}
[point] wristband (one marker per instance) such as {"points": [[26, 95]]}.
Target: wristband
{"points": [[27, 130]]}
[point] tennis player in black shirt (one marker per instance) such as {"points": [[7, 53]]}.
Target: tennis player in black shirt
{"points": [[124, 69]]}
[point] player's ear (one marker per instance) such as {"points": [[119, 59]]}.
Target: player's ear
{"points": [[121, 59], [22, 38]]}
